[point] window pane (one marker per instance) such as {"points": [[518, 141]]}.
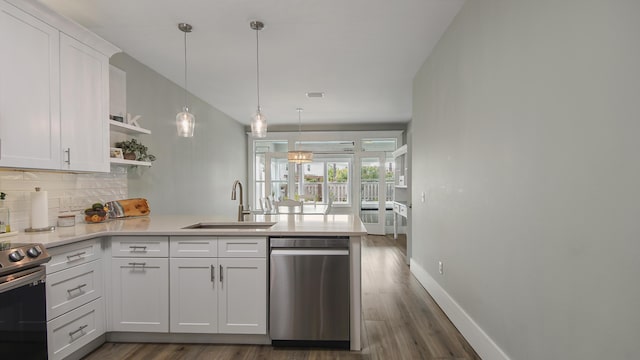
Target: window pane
{"points": [[279, 178], [314, 182], [338, 181], [387, 145], [265, 146], [259, 170]]}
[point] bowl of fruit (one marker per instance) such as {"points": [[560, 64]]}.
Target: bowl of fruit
{"points": [[97, 213]]}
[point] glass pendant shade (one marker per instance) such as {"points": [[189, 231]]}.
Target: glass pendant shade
{"points": [[259, 125], [185, 123]]}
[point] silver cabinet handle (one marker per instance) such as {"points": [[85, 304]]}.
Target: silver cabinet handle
{"points": [[78, 255], [136, 247], [68, 151], [220, 274], [134, 264], [79, 287], [213, 276], [71, 333]]}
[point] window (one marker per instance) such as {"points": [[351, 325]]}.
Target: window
{"points": [[323, 179], [331, 175], [278, 170]]}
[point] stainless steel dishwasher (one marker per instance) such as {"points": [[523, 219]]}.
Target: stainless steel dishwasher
{"points": [[309, 292]]}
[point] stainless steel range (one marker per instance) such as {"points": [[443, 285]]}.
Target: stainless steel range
{"points": [[23, 312]]}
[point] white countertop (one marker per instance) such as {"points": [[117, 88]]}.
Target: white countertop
{"points": [[295, 224]]}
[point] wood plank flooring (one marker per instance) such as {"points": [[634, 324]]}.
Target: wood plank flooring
{"points": [[401, 321]]}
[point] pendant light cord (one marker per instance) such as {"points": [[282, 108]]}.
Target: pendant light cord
{"points": [[295, 144], [258, 67], [185, 70]]}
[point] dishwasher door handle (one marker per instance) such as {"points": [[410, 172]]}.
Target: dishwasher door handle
{"points": [[314, 252]]}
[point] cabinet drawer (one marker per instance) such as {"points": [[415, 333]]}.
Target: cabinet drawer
{"points": [[242, 247], [64, 257], [193, 246], [140, 246], [70, 288], [75, 329]]}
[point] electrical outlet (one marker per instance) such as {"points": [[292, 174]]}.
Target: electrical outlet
{"points": [[440, 268]]}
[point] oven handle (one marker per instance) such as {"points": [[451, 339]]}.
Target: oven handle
{"points": [[21, 278]]}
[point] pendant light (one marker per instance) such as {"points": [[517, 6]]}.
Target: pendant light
{"points": [[299, 156], [185, 121], [259, 121]]}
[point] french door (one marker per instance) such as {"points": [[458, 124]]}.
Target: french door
{"points": [[373, 191]]}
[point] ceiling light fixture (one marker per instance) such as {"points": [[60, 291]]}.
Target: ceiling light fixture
{"points": [[259, 121], [185, 121], [299, 156]]}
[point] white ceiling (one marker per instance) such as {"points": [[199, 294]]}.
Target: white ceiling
{"points": [[362, 53]]}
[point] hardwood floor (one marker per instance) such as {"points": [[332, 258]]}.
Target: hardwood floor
{"points": [[401, 321]]}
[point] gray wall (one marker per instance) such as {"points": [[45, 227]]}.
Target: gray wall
{"points": [[526, 121], [190, 175]]}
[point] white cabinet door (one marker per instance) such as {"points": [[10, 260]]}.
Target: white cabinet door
{"points": [[84, 107], [242, 296], [29, 91], [140, 294], [194, 295]]}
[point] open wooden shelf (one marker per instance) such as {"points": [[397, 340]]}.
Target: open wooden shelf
{"points": [[126, 128], [124, 162]]}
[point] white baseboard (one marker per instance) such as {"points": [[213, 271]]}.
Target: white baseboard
{"points": [[477, 338]]}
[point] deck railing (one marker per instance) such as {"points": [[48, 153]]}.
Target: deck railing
{"points": [[340, 191]]}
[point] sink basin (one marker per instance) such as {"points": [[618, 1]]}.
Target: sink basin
{"points": [[231, 225]]}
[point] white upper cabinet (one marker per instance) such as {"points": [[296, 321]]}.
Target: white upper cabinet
{"points": [[54, 91], [29, 91], [84, 88]]}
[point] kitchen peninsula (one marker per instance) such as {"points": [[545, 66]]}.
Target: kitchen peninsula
{"points": [[98, 300]]}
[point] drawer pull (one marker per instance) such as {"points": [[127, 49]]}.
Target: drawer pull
{"points": [[71, 333], [134, 264], [79, 287], [220, 275], [78, 255], [136, 247]]}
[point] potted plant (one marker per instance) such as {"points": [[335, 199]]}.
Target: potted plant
{"points": [[134, 150]]}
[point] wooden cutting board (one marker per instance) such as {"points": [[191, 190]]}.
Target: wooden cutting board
{"points": [[128, 207]]}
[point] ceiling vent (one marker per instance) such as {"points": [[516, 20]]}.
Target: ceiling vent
{"points": [[315, 94]]}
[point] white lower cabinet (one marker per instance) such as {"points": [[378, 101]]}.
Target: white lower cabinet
{"points": [[68, 289], [242, 299], [219, 295], [194, 295], [140, 294], [69, 332], [75, 307]]}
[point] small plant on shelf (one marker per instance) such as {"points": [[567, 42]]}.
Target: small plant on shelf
{"points": [[134, 150]]}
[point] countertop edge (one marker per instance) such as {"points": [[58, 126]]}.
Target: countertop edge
{"points": [[170, 226]]}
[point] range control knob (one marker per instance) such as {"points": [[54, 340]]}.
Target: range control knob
{"points": [[16, 255], [34, 252]]}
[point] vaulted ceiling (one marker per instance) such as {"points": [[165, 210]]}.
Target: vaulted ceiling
{"points": [[363, 54]]}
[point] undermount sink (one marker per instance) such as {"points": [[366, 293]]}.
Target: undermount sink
{"points": [[231, 225]]}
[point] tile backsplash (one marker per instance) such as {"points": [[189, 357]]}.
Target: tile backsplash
{"points": [[66, 192]]}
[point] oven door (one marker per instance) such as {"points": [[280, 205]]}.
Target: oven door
{"points": [[23, 315]]}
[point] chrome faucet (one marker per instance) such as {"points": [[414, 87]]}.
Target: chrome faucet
{"points": [[241, 211]]}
